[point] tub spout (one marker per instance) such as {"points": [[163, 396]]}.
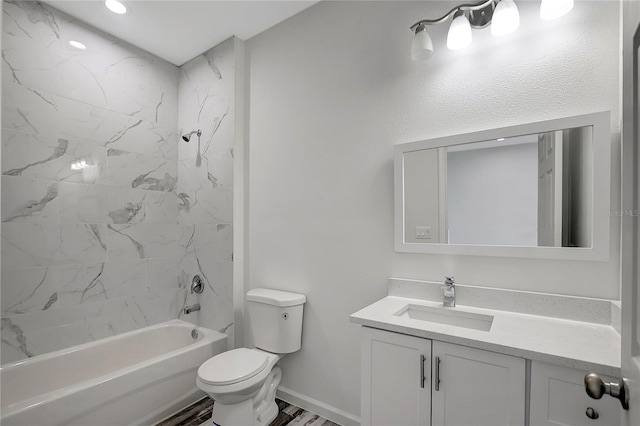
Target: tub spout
{"points": [[192, 308]]}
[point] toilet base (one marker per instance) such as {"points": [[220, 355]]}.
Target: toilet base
{"points": [[236, 414], [257, 411]]}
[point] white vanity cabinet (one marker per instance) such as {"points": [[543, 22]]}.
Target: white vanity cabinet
{"points": [[476, 387], [396, 379], [558, 398], [400, 383]]}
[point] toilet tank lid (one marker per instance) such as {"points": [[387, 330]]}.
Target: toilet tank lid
{"points": [[275, 297]]}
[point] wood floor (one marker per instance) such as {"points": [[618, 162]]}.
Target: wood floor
{"points": [[199, 414]]}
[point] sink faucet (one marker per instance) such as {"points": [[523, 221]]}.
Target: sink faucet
{"points": [[449, 299], [192, 308]]}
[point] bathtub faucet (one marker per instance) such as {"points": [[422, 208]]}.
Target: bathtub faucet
{"points": [[192, 308]]}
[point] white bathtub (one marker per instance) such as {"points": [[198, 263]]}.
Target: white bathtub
{"points": [[139, 377]]}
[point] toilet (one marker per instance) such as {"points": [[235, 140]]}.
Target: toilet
{"points": [[242, 381]]}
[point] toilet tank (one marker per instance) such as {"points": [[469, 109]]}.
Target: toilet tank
{"points": [[275, 318]]}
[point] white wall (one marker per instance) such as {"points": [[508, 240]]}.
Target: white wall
{"points": [[332, 90], [421, 195]]}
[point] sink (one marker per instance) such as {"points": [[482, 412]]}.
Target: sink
{"points": [[449, 316]]}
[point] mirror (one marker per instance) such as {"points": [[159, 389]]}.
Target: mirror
{"points": [[535, 190]]}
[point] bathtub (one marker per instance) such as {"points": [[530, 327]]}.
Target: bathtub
{"points": [[135, 378]]}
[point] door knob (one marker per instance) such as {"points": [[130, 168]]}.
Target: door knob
{"points": [[596, 387]]}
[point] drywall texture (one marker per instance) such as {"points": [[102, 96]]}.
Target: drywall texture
{"points": [[205, 180], [332, 90]]}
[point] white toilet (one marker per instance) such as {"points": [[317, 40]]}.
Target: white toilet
{"points": [[243, 382]]}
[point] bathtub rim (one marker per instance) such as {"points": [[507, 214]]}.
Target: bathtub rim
{"points": [[206, 336]]}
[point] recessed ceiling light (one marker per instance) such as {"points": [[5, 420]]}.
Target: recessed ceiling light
{"points": [[116, 7], [500, 139], [77, 44]]}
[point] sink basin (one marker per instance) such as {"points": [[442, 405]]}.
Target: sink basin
{"points": [[449, 316]]}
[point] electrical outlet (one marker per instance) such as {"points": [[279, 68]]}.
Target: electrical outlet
{"points": [[423, 232]]}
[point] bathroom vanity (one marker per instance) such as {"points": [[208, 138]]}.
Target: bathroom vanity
{"points": [[497, 358]]}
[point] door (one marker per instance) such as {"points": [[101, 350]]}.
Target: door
{"points": [[630, 294], [476, 387], [550, 189], [557, 398], [630, 236], [396, 379], [630, 289]]}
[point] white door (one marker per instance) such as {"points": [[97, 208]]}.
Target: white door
{"points": [[630, 289], [631, 186], [476, 387], [396, 383], [550, 189]]}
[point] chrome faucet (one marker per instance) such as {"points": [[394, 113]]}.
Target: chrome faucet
{"points": [[193, 308], [449, 299]]}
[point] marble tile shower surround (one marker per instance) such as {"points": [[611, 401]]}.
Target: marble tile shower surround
{"points": [[205, 177], [99, 234]]}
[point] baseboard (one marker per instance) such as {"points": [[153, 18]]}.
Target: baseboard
{"points": [[327, 411]]}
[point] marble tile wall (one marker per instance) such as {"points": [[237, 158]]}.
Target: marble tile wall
{"points": [[205, 179], [98, 234]]}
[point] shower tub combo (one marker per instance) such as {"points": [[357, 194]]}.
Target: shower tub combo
{"points": [[135, 378]]}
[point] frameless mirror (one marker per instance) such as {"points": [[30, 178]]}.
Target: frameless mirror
{"points": [[535, 190]]}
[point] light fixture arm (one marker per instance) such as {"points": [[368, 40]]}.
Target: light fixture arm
{"points": [[468, 6]]}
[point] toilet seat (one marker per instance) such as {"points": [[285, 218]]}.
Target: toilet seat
{"points": [[233, 366]]}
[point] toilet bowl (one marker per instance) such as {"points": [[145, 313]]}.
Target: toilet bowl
{"points": [[240, 375], [243, 381]]}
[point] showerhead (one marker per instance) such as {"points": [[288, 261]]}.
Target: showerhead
{"points": [[187, 137]]}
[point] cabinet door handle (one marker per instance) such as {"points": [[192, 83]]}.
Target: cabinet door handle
{"points": [[422, 376], [436, 378]]}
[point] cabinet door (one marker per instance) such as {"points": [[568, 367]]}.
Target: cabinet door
{"points": [[558, 398], [476, 387], [396, 371]]}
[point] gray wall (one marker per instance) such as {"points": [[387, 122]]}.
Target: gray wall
{"points": [[492, 195], [577, 181]]}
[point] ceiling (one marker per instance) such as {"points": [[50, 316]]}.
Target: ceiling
{"points": [[179, 30]]}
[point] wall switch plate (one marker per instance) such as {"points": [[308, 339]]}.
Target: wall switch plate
{"points": [[423, 232]]}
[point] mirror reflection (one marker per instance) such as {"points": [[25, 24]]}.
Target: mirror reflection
{"points": [[534, 190]]}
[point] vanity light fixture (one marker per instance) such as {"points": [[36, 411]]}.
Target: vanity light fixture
{"points": [[506, 18], [116, 7], [502, 15], [459, 35], [552, 9]]}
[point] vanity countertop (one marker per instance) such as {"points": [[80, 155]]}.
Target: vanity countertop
{"points": [[576, 344]]}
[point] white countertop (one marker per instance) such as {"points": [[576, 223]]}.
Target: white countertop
{"points": [[583, 345]]}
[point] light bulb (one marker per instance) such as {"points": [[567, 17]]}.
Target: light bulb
{"points": [[506, 18], [552, 9], [422, 45], [459, 32], [116, 7]]}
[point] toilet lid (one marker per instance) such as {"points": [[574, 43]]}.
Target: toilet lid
{"points": [[232, 366]]}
